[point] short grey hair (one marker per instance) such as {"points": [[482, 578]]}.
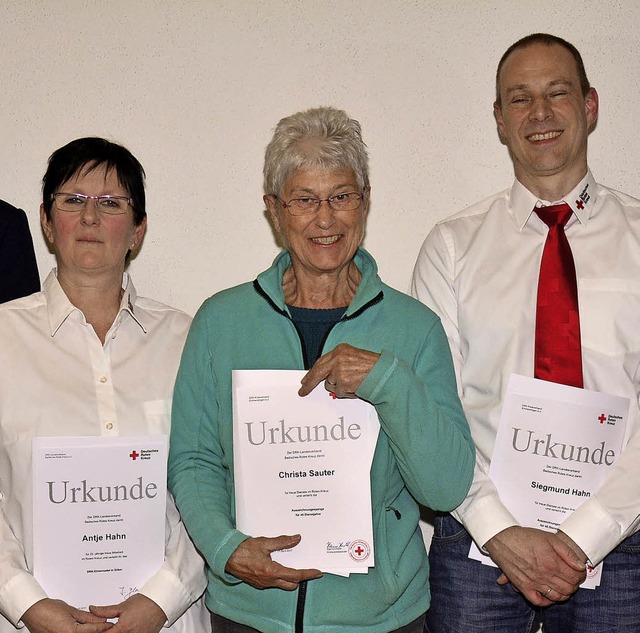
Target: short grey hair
{"points": [[324, 138]]}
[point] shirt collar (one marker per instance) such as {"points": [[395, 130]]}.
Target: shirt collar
{"points": [[581, 199], [59, 308]]}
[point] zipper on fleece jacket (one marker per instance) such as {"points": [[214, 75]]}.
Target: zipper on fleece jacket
{"points": [[302, 587], [305, 360]]}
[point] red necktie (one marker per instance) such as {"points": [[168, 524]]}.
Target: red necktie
{"points": [[558, 356]]}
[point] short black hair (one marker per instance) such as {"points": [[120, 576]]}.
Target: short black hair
{"points": [[89, 153], [544, 38]]}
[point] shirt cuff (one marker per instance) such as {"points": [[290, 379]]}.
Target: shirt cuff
{"points": [[593, 530], [169, 594], [485, 519], [19, 595]]}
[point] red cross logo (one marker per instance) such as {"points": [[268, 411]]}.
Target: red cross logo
{"points": [[134, 455], [333, 395], [359, 550], [602, 418], [579, 204]]}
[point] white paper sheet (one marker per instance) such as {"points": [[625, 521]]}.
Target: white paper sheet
{"points": [[99, 509], [302, 466], [554, 447]]}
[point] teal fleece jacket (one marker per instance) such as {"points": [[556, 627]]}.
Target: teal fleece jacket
{"points": [[424, 452]]}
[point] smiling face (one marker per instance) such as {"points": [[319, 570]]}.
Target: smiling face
{"points": [[544, 119], [88, 242], [324, 242]]}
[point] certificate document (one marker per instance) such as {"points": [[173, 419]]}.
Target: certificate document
{"points": [[99, 506], [302, 466], [554, 448]]}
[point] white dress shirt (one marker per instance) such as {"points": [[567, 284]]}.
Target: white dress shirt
{"points": [[57, 379], [479, 271]]}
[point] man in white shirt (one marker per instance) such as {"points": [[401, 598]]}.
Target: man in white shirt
{"points": [[479, 271]]}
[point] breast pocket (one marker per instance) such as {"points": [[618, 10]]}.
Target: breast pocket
{"points": [[157, 413], [610, 315]]}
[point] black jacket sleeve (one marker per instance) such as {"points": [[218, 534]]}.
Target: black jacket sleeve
{"points": [[18, 268]]}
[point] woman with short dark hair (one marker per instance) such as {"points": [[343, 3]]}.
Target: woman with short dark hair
{"points": [[88, 357]]}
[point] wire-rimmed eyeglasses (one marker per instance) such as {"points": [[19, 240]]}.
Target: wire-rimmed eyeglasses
{"points": [[348, 201], [76, 202]]}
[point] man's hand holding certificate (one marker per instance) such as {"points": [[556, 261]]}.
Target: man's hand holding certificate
{"points": [[553, 450], [302, 467]]}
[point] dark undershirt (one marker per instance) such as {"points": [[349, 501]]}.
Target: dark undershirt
{"points": [[313, 326]]}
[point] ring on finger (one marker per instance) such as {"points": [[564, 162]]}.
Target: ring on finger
{"points": [[333, 384], [547, 592]]}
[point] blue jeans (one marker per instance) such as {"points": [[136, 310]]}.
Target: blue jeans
{"points": [[466, 599]]}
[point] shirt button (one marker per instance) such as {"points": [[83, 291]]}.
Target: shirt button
{"points": [[103, 379], [109, 425]]}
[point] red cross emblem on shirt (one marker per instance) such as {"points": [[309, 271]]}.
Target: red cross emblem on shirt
{"points": [[579, 204], [333, 395], [602, 418], [134, 455]]}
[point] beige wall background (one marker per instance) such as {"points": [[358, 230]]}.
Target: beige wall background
{"points": [[195, 87]]}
